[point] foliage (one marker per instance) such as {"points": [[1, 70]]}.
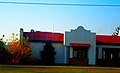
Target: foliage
{"points": [[2, 44], [48, 54], [3, 52], [19, 51], [117, 30]]}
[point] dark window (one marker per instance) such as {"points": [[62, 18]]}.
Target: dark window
{"points": [[80, 52]]}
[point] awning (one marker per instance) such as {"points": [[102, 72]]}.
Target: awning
{"points": [[79, 44]]}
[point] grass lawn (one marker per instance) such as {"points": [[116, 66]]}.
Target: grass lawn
{"points": [[56, 69]]}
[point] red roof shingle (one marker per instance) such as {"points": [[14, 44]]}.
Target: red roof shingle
{"points": [[108, 39], [59, 37], [44, 36]]}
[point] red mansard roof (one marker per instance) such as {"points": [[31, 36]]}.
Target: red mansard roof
{"points": [[108, 39], [44, 36]]}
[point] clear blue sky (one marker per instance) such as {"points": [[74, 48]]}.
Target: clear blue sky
{"points": [[101, 20]]}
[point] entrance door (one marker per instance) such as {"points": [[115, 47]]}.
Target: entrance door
{"points": [[80, 56]]}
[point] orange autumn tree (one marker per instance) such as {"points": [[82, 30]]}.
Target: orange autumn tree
{"points": [[20, 51]]}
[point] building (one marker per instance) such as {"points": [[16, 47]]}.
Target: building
{"points": [[38, 40], [77, 47]]}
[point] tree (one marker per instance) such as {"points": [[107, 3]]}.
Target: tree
{"points": [[19, 51], [2, 44], [117, 31], [3, 52], [48, 54]]}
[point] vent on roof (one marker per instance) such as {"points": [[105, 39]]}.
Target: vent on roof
{"points": [[37, 31], [32, 30]]}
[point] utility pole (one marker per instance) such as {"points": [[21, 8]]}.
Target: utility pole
{"points": [[53, 27]]}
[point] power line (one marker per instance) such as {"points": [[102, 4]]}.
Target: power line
{"points": [[60, 4]]}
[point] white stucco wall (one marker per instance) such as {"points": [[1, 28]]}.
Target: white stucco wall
{"points": [[67, 54], [80, 35], [38, 46], [59, 48]]}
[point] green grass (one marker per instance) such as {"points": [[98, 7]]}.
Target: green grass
{"points": [[57, 69]]}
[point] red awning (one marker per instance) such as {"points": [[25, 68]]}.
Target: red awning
{"points": [[79, 44]]}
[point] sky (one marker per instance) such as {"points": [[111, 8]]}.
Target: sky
{"points": [[102, 20]]}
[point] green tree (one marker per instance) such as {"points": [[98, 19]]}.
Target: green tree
{"points": [[48, 54], [2, 44], [117, 31], [3, 52]]}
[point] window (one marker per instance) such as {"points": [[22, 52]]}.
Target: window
{"points": [[103, 54], [80, 53], [75, 54]]}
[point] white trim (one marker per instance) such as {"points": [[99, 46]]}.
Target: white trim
{"points": [[65, 55], [99, 52], [108, 46], [71, 52]]}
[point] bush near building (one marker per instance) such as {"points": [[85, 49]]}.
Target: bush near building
{"points": [[19, 52], [48, 54]]}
